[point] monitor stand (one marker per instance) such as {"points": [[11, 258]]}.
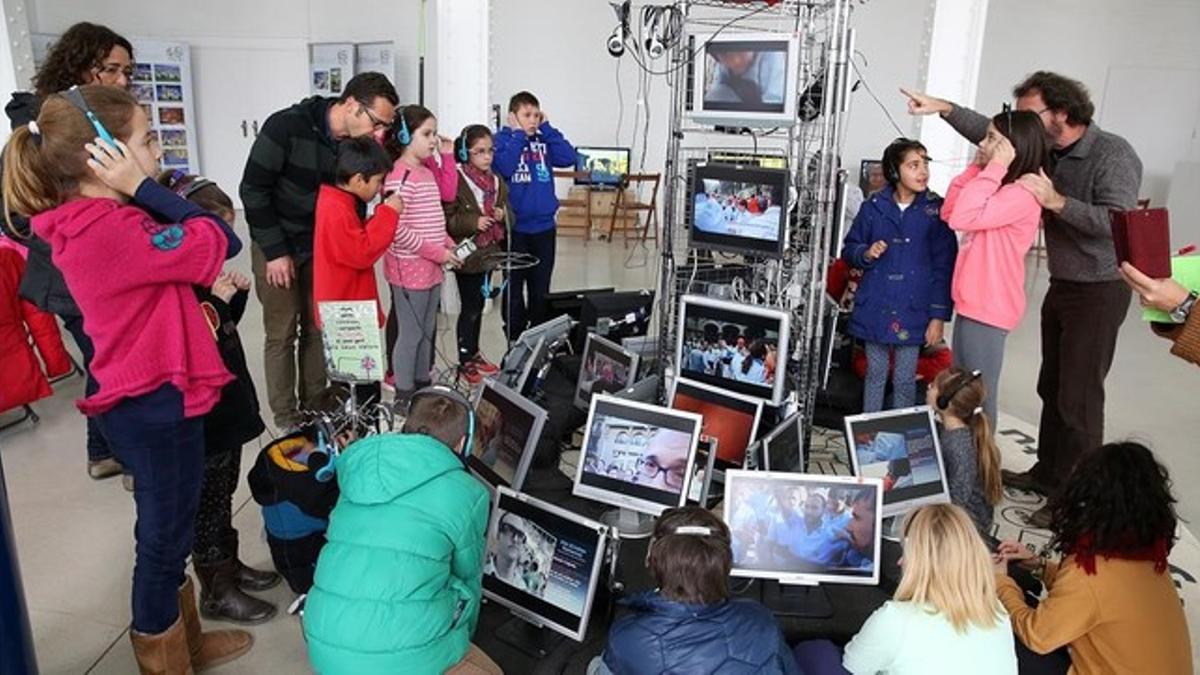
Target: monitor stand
{"points": [[629, 524], [893, 528], [808, 601], [528, 638]]}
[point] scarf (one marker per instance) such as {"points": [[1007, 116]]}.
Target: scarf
{"points": [[485, 181], [1085, 553]]}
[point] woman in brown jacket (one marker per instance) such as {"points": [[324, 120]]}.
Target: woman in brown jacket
{"points": [[479, 212], [1171, 297]]}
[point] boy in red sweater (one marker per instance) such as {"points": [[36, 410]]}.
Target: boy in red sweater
{"points": [[346, 248]]}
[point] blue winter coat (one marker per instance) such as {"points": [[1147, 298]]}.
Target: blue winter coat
{"points": [[733, 637], [910, 284]]}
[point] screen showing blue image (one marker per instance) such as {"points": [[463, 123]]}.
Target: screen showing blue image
{"points": [[748, 75], [604, 166], [900, 448], [739, 208]]}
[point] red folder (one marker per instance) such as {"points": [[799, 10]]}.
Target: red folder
{"points": [[1143, 238]]}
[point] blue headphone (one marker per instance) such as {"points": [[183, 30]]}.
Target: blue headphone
{"points": [[461, 152], [402, 133], [76, 99], [447, 393], [490, 292]]}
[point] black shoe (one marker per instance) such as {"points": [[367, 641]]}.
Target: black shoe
{"points": [[222, 600], [1024, 480], [250, 579], [1039, 519]]}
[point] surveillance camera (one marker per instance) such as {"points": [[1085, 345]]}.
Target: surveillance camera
{"points": [[616, 44]]}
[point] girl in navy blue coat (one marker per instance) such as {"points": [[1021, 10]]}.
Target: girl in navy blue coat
{"points": [[906, 252]]}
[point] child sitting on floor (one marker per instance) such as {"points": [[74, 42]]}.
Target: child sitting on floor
{"points": [[968, 449]]}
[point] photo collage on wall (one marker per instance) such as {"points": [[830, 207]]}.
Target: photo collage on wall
{"points": [[159, 88]]}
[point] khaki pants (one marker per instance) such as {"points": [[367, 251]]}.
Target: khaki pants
{"points": [[476, 662], [288, 318]]}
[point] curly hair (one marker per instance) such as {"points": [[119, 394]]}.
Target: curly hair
{"points": [[1117, 503], [80, 49], [1059, 93]]}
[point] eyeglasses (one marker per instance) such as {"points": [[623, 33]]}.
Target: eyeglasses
{"points": [[114, 69], [375, 120], [483, 151], [650, 470], [510, 531]]}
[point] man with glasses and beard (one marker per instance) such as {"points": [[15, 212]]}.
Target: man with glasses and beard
{"points": [[293, 154]]}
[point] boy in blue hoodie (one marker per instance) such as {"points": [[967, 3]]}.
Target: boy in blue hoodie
{"points": [[526, 152]]}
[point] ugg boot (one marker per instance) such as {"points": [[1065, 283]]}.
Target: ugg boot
{"points": [[222, 600], [213, 648], [164, 653]]}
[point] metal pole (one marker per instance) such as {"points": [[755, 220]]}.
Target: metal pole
{"points": [[16, 641]]}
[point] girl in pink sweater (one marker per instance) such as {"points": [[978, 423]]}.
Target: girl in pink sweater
{"points": [[999, 219], [413, 264], [130, 251]]}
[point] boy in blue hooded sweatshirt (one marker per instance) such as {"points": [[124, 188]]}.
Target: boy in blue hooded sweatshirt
{"points": [[526, 152]]}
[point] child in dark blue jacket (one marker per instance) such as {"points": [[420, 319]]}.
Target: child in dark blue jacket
{"points": [[526, 152], [907, 253], [690, 624]]}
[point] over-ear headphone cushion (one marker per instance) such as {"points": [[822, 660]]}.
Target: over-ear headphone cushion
{"points": [[463, 156]]}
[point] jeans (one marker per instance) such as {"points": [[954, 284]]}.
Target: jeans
{"points": [[288, 320], [97, 446], [517, 314], [1080, 322], [904, 375], [978, 346], [165, 453], [470, 290]]}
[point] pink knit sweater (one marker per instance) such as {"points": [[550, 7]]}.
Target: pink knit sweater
{"points": [[414, 259], [1000, 225], [132, 280]]}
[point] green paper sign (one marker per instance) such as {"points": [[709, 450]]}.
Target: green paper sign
{"points": [[353, 341], [1186, 270]]}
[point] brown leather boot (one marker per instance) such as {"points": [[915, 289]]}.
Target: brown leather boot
{"points": [[222, 600], [164, 653], [211, 649]]}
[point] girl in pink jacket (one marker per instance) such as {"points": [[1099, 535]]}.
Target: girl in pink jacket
{"points": [[998, 218]]}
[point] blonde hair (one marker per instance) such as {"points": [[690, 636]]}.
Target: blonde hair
{"points": [[967, 405], [948, 568]]}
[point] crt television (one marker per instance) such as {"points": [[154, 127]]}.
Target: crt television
{"points": [[738, 209], [745, 79]]}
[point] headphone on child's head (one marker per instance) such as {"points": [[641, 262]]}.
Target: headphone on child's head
{"points": [[893, 155], [75, 97], [442, 391], [944, 398], [184, 185], [402, 134], [460, 145]]}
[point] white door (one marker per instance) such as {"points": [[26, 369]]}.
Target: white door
{"points": [[236, 90]]}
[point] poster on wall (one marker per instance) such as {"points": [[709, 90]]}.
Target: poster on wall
{"points": [[330, 67], [162, 84], [379, 57]]}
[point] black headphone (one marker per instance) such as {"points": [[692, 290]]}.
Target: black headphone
{"points": [[184, 185], [943, 399], [894, 154], [442, 391]]}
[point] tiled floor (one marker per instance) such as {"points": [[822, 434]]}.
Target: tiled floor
{"points": [[75, 535]]}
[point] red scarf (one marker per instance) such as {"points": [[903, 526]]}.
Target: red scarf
{"points": [[485, 181], [1085, 553]]}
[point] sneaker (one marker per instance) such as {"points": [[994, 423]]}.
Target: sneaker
{"points": [[484, 366], [470, 372], [100, 469]]}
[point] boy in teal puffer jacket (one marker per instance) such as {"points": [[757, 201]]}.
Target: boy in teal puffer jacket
{"points": [[398, 585]]}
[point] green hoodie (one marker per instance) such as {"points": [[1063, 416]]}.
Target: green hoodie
{"points": [[398, 585]]}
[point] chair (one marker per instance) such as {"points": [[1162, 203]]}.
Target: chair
{"points": [[632, 189], [568, 219]]}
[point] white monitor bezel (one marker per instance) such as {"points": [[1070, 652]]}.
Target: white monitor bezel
{"points": [[783, 353], [717, 391], [625, 501], [904, 506], [539, 415], [523, 612], [733, 475], [787, 117]]}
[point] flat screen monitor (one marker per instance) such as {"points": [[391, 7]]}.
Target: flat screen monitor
{"points": [[543, 563], [529, 349], [802, 528], [571, 302], [507, 429], [729, 417], [603, 166], [783, 448], [644, 390], [739, 209], [901, 448], [636, 456], [616, 315], [734, 346], [870, 177], [700, 490], [745, 79], [606, 369], [745, 158], [646, 347]]}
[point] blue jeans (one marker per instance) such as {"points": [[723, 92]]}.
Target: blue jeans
{"points": [[97, 446], [165, 453], [904, 375], [517, 314]]}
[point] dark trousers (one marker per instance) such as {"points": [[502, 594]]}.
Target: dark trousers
{"points": [[97, 446], [391, 331], [1080, 322], [165, 453], [216, 539], [518, 314], [470, 318]]}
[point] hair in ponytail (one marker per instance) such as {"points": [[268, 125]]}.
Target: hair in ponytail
{"points": [[967, 405], [43, 169]]}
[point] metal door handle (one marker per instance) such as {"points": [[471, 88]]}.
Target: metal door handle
{"points": [[244, 130], [254, 126]]}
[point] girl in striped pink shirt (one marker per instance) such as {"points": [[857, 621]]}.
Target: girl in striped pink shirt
{"points": [[413, 264]]}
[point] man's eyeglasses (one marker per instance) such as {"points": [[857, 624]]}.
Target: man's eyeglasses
{"points": [[650, 469], [375, 120]]}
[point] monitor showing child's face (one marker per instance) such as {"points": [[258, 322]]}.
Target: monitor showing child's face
{"points": [[735, 62]]}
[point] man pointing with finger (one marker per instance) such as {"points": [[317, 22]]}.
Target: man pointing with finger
{"points": [[1095, 172]]}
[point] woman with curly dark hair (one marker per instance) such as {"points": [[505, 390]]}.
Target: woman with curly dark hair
{"points": [[1111, 599], [86, 54]]}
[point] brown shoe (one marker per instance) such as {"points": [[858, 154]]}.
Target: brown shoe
{"points": [[1024, 480], [1040, 518], [212, 648], [164, 653]]}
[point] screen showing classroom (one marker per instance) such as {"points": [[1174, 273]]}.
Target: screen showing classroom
{"points": [[798, 527], [901, 448], [739, 209], [542, 562], [603, 166]]}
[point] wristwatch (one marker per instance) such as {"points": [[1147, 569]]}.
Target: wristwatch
{"points": [[1180, 313]]}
